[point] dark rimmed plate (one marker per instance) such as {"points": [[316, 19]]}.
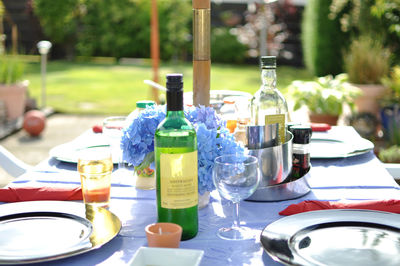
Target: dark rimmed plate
{"points": [[335, 237], [38, 231]]}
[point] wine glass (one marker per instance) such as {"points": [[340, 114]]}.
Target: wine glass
{"points": [[236, 177], [112, 130]]}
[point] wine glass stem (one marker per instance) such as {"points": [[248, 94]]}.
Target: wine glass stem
{"points": [[236, 219], [120, 161]]}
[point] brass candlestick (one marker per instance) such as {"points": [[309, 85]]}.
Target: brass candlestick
{"points": [[201, 52], [154, 48]]}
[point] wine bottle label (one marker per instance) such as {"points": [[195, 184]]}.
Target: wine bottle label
{"points": [[280, 119], [179, 184]]}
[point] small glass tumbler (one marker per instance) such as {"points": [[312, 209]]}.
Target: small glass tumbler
{"points": [[95, 167]]}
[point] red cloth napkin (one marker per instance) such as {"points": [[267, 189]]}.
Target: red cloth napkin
{"points": [[314, 205], [16, 194], [320, 127]]}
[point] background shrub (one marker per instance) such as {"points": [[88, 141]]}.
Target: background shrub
{"points": [[379, 19], [59, 22], [388, 12], [226, 48], [322, 39], [118, 28], [366, 61]]}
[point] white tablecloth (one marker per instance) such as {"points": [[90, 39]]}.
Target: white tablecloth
{"points": [[355, 178]]}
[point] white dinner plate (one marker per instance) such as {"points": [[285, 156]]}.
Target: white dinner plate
{"points": [[37, 231], [332, 148], [166, 256], [335, 238], [68, 152]]}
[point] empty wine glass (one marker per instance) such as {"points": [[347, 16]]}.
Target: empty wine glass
{"points": [[236, 177], [112, 130]]}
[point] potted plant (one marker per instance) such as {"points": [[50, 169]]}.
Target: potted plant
{"points": [[391, 158], [324, 97], [12, 90], [390, 118], [366, 63], [390, 103], [390, 155]]}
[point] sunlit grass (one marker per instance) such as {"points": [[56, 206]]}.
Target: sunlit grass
{"points": [[114, 89]]}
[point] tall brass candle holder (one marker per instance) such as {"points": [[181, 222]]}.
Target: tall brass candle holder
{"points": [[201, 52]]}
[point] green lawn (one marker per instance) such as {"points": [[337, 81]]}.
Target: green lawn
{"points": [[89, 88]]}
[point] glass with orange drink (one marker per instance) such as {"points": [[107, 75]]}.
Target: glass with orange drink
{"points": [[95, 167], [228, 113]]}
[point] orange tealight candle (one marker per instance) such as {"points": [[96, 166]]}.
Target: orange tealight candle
{"points": [[166, 235]]}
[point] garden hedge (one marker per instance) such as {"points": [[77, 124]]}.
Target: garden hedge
{"points": [[121, 28], [118, 28], [322, 39]]}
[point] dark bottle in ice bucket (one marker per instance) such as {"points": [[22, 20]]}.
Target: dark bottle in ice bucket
{"points": [[301, 151]]}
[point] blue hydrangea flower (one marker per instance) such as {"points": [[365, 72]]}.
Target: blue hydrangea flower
{"points": [[213, 139], [138, 138], [205, 115]]}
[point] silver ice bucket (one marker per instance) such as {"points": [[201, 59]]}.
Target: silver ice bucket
{"points": [[275, 164]]}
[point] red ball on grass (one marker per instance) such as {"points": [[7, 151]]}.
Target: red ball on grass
{"points": [[34, 122]]}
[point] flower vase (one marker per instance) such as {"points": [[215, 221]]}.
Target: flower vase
{"points": [[204, 200], [145, 178]]}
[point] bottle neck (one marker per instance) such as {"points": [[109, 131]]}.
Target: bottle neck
{"points": [[174, 101], [175, 114], [268, 78]]}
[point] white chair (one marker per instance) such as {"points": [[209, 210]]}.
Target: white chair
{"points": [[11, 164]]}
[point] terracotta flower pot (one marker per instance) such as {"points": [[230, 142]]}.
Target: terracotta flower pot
{"points": [[368, 101], [324, 118], [13, 96]]}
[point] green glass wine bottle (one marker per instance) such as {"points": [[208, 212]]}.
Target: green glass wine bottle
{"points": [[175, 146]]}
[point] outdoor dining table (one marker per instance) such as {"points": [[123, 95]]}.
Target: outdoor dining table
{"points": [[354, 178]]}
